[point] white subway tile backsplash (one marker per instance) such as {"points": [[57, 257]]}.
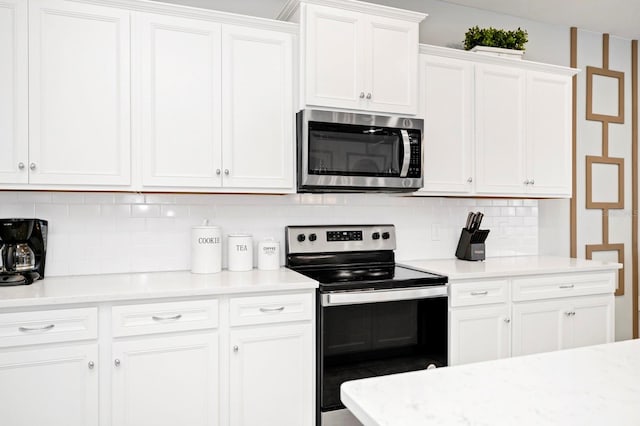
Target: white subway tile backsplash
{"points": [[34, 197], [84, 210], [94, 233], [145, 210]]}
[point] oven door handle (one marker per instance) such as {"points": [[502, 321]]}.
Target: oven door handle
{"points": [[360, 297], [406, 143]]}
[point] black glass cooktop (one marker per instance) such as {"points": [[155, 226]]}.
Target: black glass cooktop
{"points": [[374, 277]]}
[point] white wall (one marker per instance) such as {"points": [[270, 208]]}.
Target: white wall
{"points": [[93, 233]]}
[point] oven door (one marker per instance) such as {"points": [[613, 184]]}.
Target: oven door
{"points": [[372, 333], [345, 152]]}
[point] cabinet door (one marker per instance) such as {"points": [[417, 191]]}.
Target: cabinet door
{"points": [[479, 334], [14, 143], [258, 117], [272, 371], [334, 58], [53, 386], [179, 77], [447, 106], [79, 97], [591, 321], [539, 327], [391, 64], [166, 381], [548, 134], [499, 130]]}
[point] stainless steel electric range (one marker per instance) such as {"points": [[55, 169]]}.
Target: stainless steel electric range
{"points": [[374, 317]]}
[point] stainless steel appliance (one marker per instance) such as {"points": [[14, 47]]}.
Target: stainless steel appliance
{"points": [[23, 251], [374, 317], [346, 152]]}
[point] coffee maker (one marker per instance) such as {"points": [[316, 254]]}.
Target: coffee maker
{"points": [[23, 250]]}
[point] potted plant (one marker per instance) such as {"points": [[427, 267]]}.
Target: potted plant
{"points": [[496, 41]]}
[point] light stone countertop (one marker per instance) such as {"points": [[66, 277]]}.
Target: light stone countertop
{"points": [[509, 266], [590, 386], [152, 285]]}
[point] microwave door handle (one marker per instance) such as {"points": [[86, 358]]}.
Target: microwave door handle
{"points": [[406, 143]]}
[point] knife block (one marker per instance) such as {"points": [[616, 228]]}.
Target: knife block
{"points": [[471, 244]]}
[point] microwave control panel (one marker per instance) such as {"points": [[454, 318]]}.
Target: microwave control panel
{"points": [[415, 169]]}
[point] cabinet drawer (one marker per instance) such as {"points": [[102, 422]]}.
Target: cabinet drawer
{"points": [[152, 318], [271, 309], [563, 286], [479, 293], [63, 325]]}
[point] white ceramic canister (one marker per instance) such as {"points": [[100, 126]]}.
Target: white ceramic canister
{"points": [[268, 254], [206, 249], [240, 251]]}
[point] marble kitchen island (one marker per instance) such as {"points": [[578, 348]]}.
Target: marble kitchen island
{"points": [[596, 385]]}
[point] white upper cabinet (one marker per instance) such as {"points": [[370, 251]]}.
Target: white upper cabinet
{"points": [[391, 71], [548, 152], [79, 95], [13, 92], [216, 105], [494, 126], [334, 36], [446, 104], [500, 132], [257, 114], [357, 56], [179, 82]]}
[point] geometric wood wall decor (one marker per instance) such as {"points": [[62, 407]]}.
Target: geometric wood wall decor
{"points": [[605, 95], [609, 253], [605, 182], [604, 179]]}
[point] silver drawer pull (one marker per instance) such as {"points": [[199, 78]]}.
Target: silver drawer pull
{"points": [[479, 293], [567, 286], [173, 318], [32, 329], [280, 309]]}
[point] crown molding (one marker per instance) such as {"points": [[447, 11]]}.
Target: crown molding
{"points": [[197, 13], [480, 58], [355, 6]]}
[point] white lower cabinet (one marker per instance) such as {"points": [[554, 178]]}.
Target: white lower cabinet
{"points": [[166, 381], [225, 361], [527, 315], [480, 334], [562, 324], [56, 385], [271, 375]]}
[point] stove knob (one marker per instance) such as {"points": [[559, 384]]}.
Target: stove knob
{"points": [[385, 235], [301, 237], [312, 237], [375, 235]]}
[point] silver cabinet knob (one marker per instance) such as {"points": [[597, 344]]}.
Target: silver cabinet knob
{"points": [[470, 180], [32, 166], [236, 348], [368, 95], [21, 165], [226, 172], [361, 95], [116, 362], [527, 182], [532, 181], [568, 314], [91, 365], [507, 320], [218, 172]]}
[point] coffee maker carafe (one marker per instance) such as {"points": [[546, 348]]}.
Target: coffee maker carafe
{"points": [[23, 250]]}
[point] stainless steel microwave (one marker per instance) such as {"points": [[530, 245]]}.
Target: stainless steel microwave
{"points": [[347, 152]]}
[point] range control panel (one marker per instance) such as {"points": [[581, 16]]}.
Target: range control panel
{"points": [[339, 238], [344, 235]]}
